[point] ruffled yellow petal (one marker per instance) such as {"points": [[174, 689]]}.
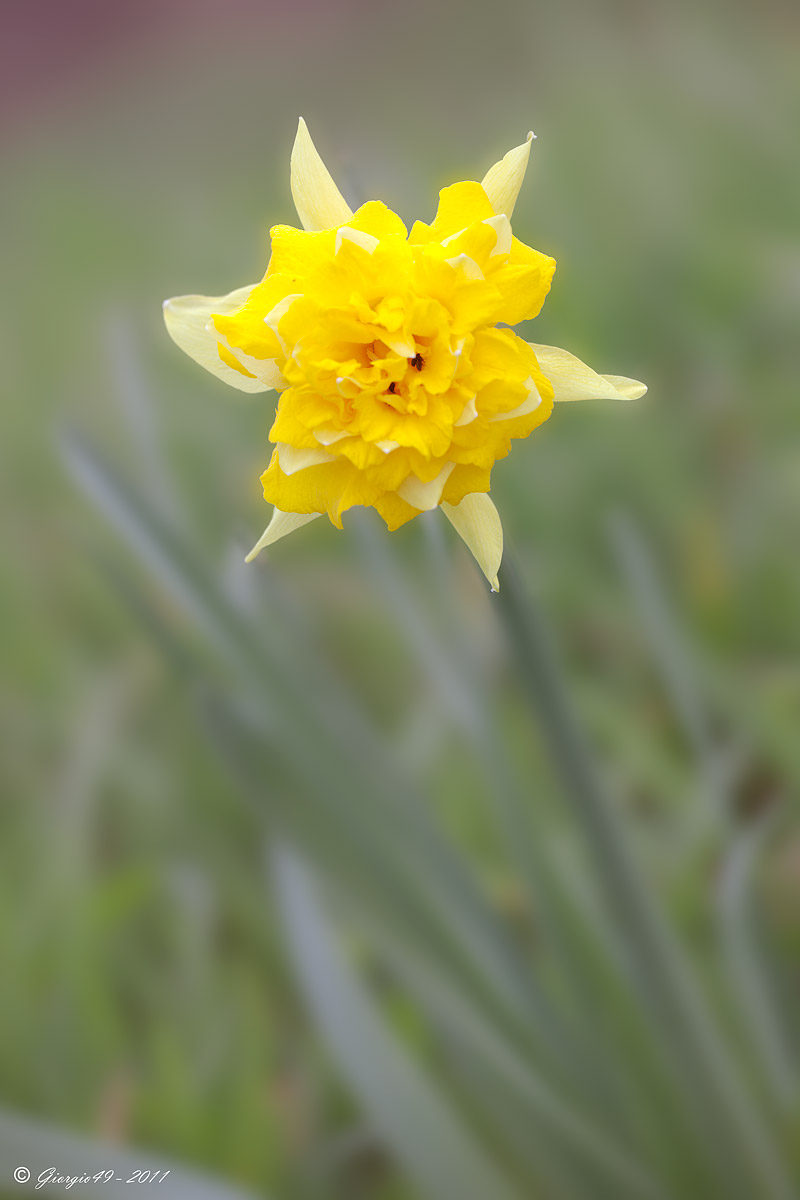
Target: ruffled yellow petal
{"points": [[477, 521], [460, 205], [466, 479], [319, 203], [295, 252], [573, 380], [331, 487], [395, 511], [281, 524], [376, 219], [524, 288], [503, 181], [188, 321]]}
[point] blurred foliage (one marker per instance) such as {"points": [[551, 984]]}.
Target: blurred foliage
{"points": [[145, 995]]}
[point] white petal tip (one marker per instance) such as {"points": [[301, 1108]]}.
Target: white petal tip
{"points": [[625, 388], [574, 380], [475, 518], [189, 323], [503, 181], [531, 136], [280, 524], [319, 203]]}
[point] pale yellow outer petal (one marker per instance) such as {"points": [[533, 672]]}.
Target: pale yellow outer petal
{"points": [[425, 496], [573, 380], [319, 203], [188, 318], [477, 521], [503, 181], [293, 460], [281, 524], [628, 389]]}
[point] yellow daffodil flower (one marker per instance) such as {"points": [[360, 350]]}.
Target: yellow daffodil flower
{"points": [[399, 390]]}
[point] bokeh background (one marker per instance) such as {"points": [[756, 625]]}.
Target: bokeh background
{"points": [[152, 992]]}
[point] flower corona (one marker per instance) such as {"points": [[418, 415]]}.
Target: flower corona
{"points": [[398, 389]]}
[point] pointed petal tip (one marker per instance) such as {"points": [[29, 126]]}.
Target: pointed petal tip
{"points": [[477, 521], [574, 380], [319, 203], [280, 524], [503, 181], [189, 323], [625, 388]]}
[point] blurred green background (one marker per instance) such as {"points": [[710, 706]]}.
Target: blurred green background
{"points": [[147, 993]]}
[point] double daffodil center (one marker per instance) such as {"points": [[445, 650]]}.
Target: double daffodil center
{"points": [[395, 368], [399, 396]]}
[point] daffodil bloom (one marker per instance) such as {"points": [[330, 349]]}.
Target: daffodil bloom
{"points": [[400, 385]]}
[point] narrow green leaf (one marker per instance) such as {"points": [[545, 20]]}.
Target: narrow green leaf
{"points": [[741, 1143], [416, 1123], [666, 640], [404, 839], [759, 1014], [505, 1066]]}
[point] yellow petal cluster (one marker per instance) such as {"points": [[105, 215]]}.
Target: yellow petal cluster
{"points": [[400, 383], [400, 392]]}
